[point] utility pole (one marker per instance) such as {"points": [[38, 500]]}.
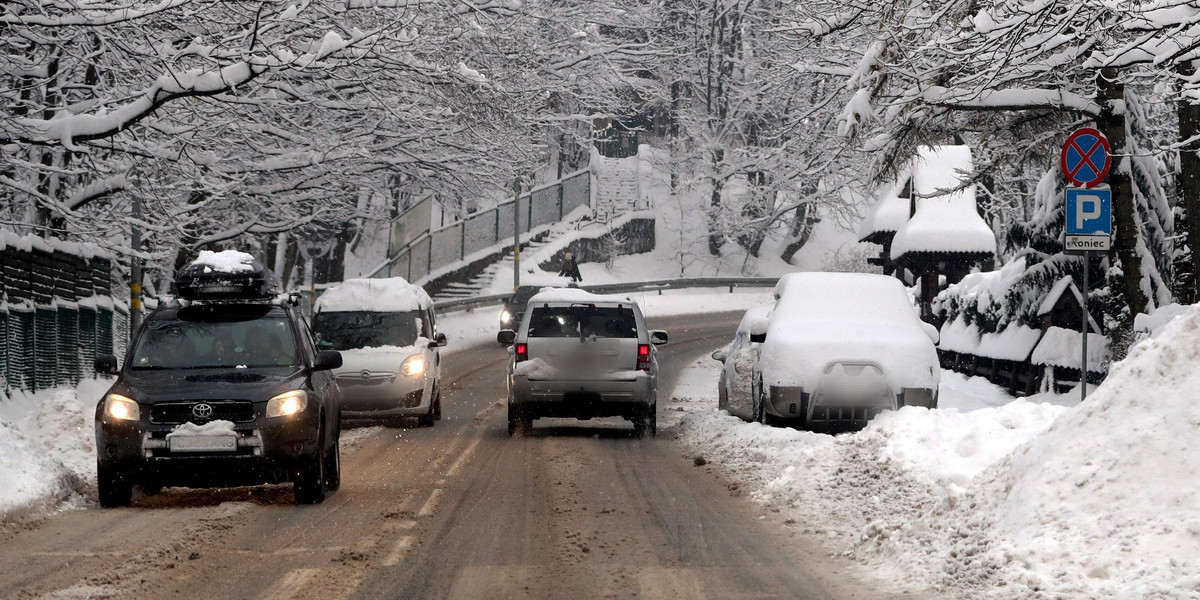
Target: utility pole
{"points": [[135, 267], [516, 233]]}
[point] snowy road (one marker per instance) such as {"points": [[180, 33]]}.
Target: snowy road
{"points": [[576, 510]]}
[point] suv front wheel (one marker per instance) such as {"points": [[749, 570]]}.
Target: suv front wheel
{"points": [[114, 486], [309, 486]]}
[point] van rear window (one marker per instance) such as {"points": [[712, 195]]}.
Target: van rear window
{"points": [[582, 321]]}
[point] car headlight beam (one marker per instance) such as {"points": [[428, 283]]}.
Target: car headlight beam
{"points": [[121, 408], [287, 403], [413, 365]]}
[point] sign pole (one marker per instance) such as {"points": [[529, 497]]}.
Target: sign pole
{"points": [[1083, 370], [1085, 161], [516, 234]]}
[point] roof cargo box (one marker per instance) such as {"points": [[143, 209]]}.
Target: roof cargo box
{"points": [[227, 275]]}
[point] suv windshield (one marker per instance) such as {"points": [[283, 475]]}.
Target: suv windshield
{"points": [[353, 329], [216, 336], [582, 321]]}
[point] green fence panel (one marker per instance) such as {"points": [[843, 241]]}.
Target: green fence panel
{"points": [[67, 369], [20, 344], [45, 348], [4, 348], [87, 341]]}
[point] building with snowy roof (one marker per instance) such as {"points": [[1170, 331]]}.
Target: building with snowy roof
{"points": [[928, 223]]}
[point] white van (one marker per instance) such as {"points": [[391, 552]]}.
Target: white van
{"points": [[387, 334]]}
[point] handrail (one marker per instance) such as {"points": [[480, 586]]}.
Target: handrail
{"points": [[620, 288]]}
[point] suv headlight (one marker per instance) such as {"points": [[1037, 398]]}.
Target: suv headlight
{"points": [[505, 318], [287, 403], [121, 408], [413, 365]]}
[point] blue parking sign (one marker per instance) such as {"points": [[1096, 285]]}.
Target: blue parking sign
{"points": [[1089, 211]]}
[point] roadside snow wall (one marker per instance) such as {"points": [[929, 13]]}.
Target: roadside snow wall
{"points": [[1105, 504]]}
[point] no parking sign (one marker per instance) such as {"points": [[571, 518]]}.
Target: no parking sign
{"points": [[1086, 158]]}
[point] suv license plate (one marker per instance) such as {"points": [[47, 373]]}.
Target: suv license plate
{"points": [[203, 443]]}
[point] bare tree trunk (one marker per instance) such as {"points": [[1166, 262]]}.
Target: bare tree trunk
{"points": [[802, 226], [1111, 122], [1188, 188], [715, 235]]}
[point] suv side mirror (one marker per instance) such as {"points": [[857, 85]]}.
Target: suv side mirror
{"points": [[327, 359], [758, 338], [506, 337], [324, 344], [105, 365], [439, 340], [658, 337]]}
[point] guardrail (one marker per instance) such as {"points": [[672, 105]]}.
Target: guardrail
{"points": [[621, 288]]}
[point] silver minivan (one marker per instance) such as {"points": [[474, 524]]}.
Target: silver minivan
{"points": [[580, 355]]}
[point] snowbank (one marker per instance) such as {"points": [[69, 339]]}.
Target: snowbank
{"points": [[47, 447], [1105, 504], [991, 497], [392, 294]]}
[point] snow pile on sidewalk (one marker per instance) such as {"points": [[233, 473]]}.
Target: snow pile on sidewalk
{"points": [[47, 447], [1026, 499], [1105, 504]]}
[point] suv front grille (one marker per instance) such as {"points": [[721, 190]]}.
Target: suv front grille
{"points": [[174, 413]]}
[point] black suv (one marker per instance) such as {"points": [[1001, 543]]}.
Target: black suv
{"points": [[514, 307], [223, 387]]}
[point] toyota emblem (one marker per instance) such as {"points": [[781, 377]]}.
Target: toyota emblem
{"points": [[202, 411]]}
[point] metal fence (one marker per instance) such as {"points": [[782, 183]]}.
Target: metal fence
{"points": [[482, 230], [56, 312], [658, 285]]}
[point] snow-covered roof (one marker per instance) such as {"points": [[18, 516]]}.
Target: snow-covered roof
{"points": [[575, 295], [1061, 348], [890, 211], [391, 294], [825, 317], [26, 243], [1055, 294], [958, 336], [1015, 343], [225, 261], [944, 221]]}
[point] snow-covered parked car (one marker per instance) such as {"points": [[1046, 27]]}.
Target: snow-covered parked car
{"points": [[387, 334], [735, 389], [840, 348], [576, 354]]}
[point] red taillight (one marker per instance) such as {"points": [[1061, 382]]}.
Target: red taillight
{"points": [[522, 351], [643, 361]]}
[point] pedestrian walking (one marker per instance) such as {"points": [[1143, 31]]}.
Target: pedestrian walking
{"points": [[570, 268]]}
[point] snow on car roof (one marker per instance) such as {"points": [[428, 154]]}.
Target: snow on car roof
{"points": [[576, 295], [225, 261], [832, 297], [943, 222], [391, 294]]}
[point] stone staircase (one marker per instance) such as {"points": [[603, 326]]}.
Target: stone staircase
{"points": [[475, 286], [617, 186]]}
